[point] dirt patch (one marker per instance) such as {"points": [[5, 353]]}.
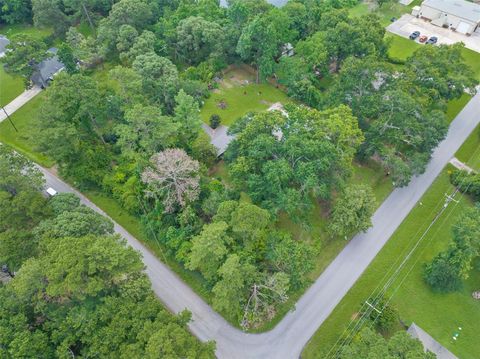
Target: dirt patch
{"points": [[354, 316]]}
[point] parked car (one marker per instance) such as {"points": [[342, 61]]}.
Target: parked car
{"points": [[414, 35], [423, 38], [51, 192], [432, 41]]}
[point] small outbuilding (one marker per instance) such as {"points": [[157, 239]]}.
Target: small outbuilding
{"points": [[47, 69], [458, 15]]}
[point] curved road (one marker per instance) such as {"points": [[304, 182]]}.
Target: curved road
{"points": [[288, 338]]}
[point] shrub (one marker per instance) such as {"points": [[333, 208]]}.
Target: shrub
{"points": [[441, 275], [215, 121]]}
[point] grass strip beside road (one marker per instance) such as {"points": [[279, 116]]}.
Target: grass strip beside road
{"points": [[438, 314], [10, 87], [25, 120]]}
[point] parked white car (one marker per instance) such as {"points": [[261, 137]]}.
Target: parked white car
{"points": [[51, 192]]}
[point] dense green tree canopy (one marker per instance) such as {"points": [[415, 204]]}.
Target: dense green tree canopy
{"points": [[15, 11], [197, 40], [368, 344], [352, 211], [448, 268], [282, 160], [24, 53]]}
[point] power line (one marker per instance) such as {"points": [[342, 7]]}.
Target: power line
{"points": [[371, 304]]}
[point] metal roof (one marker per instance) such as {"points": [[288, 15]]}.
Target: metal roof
{"points": [[429, 343], [460, 8]]}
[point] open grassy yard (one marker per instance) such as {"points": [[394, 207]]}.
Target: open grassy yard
{"points": [[388, 10], [23, 140], [10, 30], [238, 94], [439, 314], [10, 87], [401, 48], [464, 154]]}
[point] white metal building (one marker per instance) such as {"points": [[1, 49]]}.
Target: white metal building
{"points": [[459, 15]]}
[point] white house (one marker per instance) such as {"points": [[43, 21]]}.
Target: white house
{"points": [[459, 15]]}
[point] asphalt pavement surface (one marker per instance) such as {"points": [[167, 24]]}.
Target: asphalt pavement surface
{"points": [[288, 338]]}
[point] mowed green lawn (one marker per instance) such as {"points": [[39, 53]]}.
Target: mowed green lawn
{"points": [[401, 48], [239, 97], [10, 87], [464, 154], [388, 10], [438, 314], [38, 33], [25, 120]]}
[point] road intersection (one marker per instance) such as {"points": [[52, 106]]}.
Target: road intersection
{"points": [[289, 337]]}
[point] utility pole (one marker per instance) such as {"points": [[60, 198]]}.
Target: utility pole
{"points": [[450, 198], [371, 306], [9, 119]]}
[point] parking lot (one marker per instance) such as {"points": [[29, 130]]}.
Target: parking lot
{"points": [[408, 24]]}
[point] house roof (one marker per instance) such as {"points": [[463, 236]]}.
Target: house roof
{"points": [[47, 68], [3, 43], [219, 137], [429, 343], [460, 8]]}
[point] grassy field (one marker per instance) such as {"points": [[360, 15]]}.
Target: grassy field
{"points": [[438, 314], [388, 10], [25, 121], [10, 30], [10, 87], [456, 105], [401, 48], [240, 95], [464, 154]]}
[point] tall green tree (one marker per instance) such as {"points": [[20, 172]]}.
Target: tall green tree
{"points": [[16, 11], [197, 40], [229, 291], [159, 79], [97, 286], [145, 131], [261, 41], [22, 207], [209, 250], [368, 344], [447, 270], [283, 160], [352, 212], [24, 52], [187, 117], [49, 13]]}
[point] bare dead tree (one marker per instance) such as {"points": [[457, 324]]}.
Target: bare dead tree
{"points": [[263, 299], [173, 176]]}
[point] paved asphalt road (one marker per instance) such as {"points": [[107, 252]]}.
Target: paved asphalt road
{"points": [[288, 338]]}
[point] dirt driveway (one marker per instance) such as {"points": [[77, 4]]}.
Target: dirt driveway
{"points": [[408, 24]]}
